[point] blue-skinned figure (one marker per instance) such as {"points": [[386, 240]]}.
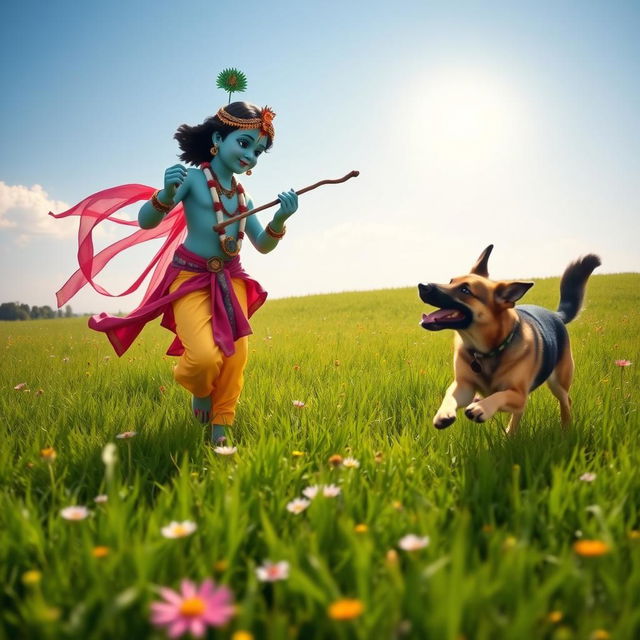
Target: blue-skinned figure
{"points": [[230, 143]]}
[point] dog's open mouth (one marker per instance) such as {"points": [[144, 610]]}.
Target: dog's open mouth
{"points": [[452, 314]]}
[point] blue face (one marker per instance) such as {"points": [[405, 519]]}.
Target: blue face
{"points": [[240, 150]]}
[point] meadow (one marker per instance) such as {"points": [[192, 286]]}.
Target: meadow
{"points": [[496, 519]]}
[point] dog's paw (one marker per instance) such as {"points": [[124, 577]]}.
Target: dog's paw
{"points": [[444, 420], [475, 412]]}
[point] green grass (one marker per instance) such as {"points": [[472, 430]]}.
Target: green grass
{"points": [[501, 513]]}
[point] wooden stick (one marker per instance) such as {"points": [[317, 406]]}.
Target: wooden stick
{"points": [[220, 227]]}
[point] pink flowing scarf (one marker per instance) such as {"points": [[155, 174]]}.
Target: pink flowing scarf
{"points": [[101, 206]]}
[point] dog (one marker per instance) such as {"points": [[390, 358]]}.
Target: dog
{"points": [[501, 352]]}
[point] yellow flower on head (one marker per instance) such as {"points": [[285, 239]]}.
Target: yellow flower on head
{"points": [[591, 548], [345, 609]]}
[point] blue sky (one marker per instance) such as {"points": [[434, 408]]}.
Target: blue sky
{"points": [[471, 123]]}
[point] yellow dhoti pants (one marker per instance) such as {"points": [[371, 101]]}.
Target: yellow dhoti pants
{"points": [[203, 369]]}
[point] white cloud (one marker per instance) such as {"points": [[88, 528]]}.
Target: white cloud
{"points": [[24, 212]]}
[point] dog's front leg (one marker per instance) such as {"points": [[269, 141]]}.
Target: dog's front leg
{"points": [[511, 400], [459, 394]]}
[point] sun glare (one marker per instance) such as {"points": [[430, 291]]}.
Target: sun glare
{"points": [[469, 114]]}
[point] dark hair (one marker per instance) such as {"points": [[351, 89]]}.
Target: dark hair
{"points": [[195, 142]]}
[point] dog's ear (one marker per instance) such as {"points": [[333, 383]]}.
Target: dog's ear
{"points": [[481, 268], [507, 293]]}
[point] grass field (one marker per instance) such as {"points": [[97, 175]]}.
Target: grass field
{"points": [[501, 514]]}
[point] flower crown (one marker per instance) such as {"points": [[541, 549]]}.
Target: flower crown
{"points": [[264, 122]]}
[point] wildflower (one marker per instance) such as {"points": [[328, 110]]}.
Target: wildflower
{"points": [[298, 505], [335, 460], [273, 571], [101, 499], [634, 534], [378, 457], [225, 451], [31, 578], [361, 528], [330, 491], [126, 435], [600, 634], [75, 513], [298, 404], [192, 609], [39, 392], [179, 529], [65, 359], [555, 616], [392, 557], [591, 548], [100, 551], [588, 476], [296, 367], [345, 609], [623, 363], [48, 454], [242, 635], [411, 542], [397, 505], [297, 454], [220, 566], [509, 543], [351, 463], [20, 386], [162, 388], [311, 491], [336, 363]]}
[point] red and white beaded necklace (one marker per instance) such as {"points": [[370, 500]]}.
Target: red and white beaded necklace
{"points": [[230, 245]]}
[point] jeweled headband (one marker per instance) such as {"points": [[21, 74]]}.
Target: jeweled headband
{"points": [[264, 122]]}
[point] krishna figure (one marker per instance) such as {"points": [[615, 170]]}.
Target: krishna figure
{"points": [[199, 285]]}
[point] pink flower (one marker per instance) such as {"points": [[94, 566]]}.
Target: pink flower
{"points": [[298, 404], [624, 363], [126, 435], [273, 571], [193, 609]]}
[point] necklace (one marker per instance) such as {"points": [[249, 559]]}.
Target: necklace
{"points": [[220, 189], [230, 245]]}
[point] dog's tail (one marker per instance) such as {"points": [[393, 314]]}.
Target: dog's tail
{"points": [[573, 284]]}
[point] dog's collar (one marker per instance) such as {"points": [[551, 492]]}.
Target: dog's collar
{"points": [[478, 355]]}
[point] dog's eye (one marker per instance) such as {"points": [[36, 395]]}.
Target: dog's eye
{"points": [[465, 290]]}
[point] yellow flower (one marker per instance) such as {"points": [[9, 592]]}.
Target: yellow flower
{"points": [[600, 634], [392, 557], [242, 635], [591, 548], [31, 578], [335, 460], [345, 609], [48, 454], [361, 528], [100, 552], [297, 454], [555, 616], [220, 566], [634, 534]]}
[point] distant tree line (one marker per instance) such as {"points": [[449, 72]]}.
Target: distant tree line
{"points": [[17, 311]]}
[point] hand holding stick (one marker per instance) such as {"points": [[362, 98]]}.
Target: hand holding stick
{"points": [[220, 227]]}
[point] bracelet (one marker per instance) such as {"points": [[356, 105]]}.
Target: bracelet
{"points": [[275, 234], [160, 206]]}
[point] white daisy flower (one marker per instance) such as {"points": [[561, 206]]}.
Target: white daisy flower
{"points": [[179, 529], [273, 571], [75, 512], [330, 491], [311, 492], [298, 505], [225, 451], [350, 463], [411, 542]]}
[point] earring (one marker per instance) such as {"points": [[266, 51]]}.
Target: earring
{"points": [[214, 150], [248, 172]]}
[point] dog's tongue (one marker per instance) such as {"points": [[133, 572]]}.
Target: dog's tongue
{"points": [[441, 315]]}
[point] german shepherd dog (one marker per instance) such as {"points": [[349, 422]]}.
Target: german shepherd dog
{"points": [[501, 352]]}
